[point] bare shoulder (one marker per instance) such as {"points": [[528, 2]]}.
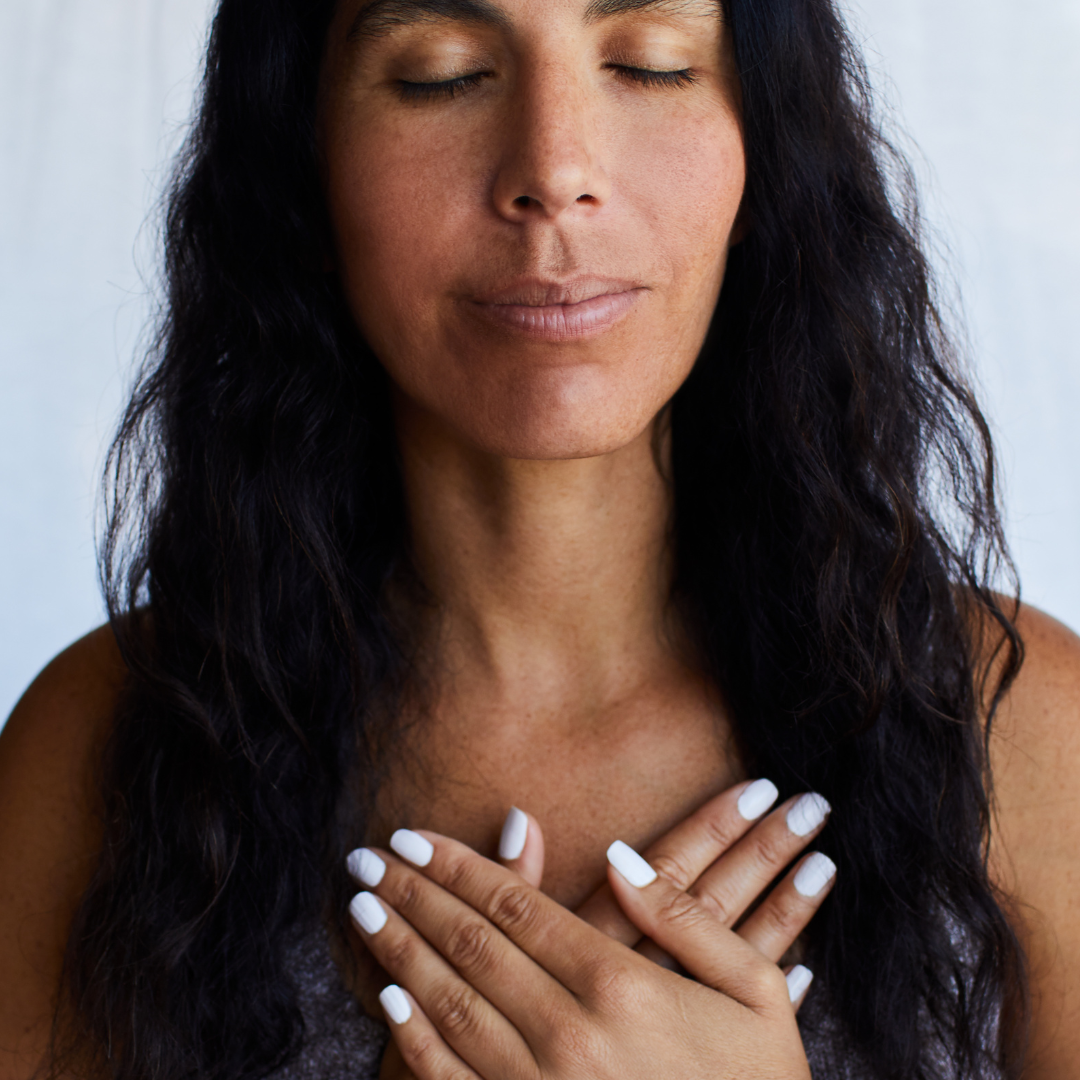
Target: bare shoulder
{"points": [[49, 832], [1035, 756], [1035, 747]]}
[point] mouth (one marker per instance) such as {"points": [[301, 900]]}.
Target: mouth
{"points": [[558, 310]]}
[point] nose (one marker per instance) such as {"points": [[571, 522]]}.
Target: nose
{"points": [[551, 160]]}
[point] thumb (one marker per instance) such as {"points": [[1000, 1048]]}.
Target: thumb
{"points": [[521, 846]]}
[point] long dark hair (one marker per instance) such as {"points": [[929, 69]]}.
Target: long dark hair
{"points": [[836, 536]]}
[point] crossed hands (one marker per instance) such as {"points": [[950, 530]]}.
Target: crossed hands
{"points": [[496, 981]]}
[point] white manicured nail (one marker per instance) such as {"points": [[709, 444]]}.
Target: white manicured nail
{"points": [[630, 864], [366, 867], [808, 813], [799, 979], [396, 1004], [368, 912], [756, 799], [412, 847], [814, 874], [515, 830]]}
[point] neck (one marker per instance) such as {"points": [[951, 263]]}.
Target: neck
{"points": [[550, 578]]}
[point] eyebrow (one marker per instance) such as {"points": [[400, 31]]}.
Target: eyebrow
{"points": [[605, 9], [379, 17]]}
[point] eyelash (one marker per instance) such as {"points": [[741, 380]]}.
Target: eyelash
{"points": [[647, 77], [450, 88]]}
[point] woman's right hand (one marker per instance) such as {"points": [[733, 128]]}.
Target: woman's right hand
{"points": [[726, 854]]}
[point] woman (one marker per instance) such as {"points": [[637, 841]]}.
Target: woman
{"points": [[550, 410]]}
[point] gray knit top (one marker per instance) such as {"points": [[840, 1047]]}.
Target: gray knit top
{"points": [[341, 1043]]}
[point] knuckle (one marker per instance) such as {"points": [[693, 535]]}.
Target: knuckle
{"points": [[716, 904], [469, 947], [783, 915], [611, 983], [425, 1057], [670, 865], [773, 847], [514, 909], [457, 873], [421, 1051], [549, 1019], [577, 1049], [765, 980], [454, 1011], [681, 909], [718, 831], [407, 896], [400, 954]]}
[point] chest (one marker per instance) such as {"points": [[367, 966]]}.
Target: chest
{"points": [[630, 774]]}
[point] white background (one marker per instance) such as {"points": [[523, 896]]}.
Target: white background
{"points": [[93, 97]]}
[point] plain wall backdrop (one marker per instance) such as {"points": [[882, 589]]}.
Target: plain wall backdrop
{"points": [[93, 98]]}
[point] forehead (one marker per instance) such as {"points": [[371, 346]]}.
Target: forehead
{"points": [[377, 17]]}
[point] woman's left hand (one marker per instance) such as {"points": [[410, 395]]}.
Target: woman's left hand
{"points": [[500, 981]]}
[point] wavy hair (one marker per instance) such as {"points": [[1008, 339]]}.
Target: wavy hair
{"points": [[836, 535]]}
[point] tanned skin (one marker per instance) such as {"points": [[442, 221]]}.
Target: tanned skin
{"points": [[50, 830], [537, 512]]}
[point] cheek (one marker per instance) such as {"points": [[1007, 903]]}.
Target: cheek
{"points": [[686, 183], [412, 217], [399, 203], [409, 205]]}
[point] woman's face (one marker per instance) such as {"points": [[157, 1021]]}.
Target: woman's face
{"points": [[531, 203]]}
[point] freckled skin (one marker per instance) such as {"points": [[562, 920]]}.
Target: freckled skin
{"points": [[551, 571], [537, 514], [623, 181]]}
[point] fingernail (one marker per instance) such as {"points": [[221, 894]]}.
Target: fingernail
{"points": [[366, 866], [412, 847], [799, 979], [808, 813], [630, 864], [756, 799], [396, 1004], [514, 832], [368, 912], [814, 874]]}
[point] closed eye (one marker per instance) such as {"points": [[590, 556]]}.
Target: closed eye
{"points": [[447, 88], [650, 78], [450, 88]]}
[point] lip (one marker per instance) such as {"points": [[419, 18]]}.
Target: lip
{"points": [[551, 310]]}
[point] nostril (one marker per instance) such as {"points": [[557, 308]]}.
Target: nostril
{"points": [[522, 201], [586, 198]]}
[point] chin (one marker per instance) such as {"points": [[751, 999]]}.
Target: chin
{"points": [[558, 415]]}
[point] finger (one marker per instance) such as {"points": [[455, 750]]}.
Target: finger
{"points": [[425, 1052], [475, 950], [557, 941], [471, 1025], [734, 882], [682, 925], [798, 979], [683, 853], [651, 951], [393, 1065], [521, 846], [773, 927]]}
